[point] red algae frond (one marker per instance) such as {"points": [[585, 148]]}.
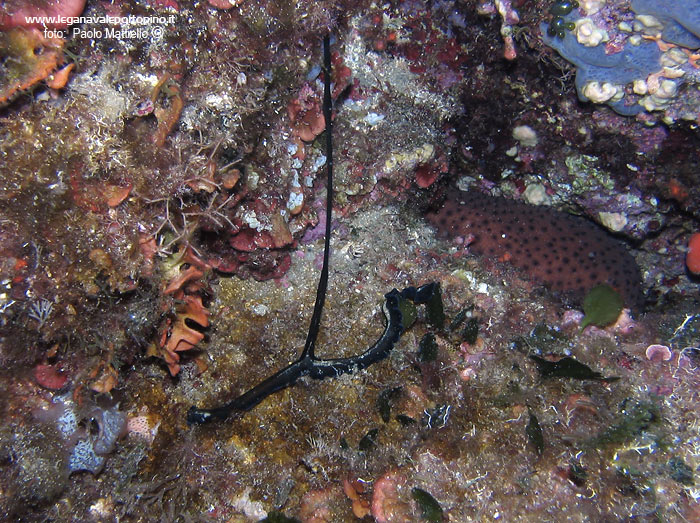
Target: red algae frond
{"points": [[692, 258], [29, 57]]}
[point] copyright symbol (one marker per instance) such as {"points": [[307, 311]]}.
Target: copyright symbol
{"points": [[157, 31]]}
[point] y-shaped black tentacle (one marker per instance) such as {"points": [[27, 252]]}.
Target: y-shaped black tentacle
{"points": [[310, 345], [396, 309], [399, 312]]}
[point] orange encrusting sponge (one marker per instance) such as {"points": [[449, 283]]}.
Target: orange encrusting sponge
{"points": [[692, 258]]}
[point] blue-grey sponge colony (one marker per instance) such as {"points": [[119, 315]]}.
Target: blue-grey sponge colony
{"points": [[640, 62]]}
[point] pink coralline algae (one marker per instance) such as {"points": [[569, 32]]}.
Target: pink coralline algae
{"points": [[658, 353], [225, 4], [692, 258], [305, 114], [568, 254], [144, 427], [386, 503], [50, 377]]}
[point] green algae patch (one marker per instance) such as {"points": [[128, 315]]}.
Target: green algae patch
{"points": [[427, 348], [534, 434], [408, 313], [435, 312], [278, 517], [602, 306], [567, 367], [634, 420], [587, 175], [471, 331], [385, 400], [430, 508], [680, 472], [368, 441]]}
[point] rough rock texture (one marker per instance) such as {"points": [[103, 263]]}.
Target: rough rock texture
{"points": [[164, 162], [568, 254]]}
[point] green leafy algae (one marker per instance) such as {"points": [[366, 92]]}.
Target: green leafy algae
{"points": [[430, 508], [369, 440], [435, 312], [567, 367], [278, 517], [534, 434], [471, 330], [427, 348], [408, 312], [384, 401], [602, 306], [681, 472], [634, 419]]}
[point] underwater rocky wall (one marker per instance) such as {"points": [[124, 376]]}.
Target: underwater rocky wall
{"points": [[162, 216]]}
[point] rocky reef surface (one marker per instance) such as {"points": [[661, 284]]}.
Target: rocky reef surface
{"points": [[162, 212]]}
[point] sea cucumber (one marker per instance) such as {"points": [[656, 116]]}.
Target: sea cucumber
{"points": [[568, 254]]}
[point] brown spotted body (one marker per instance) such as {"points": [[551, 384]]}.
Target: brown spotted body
{"points": [[568, 254]]}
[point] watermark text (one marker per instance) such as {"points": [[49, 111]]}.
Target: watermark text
{"points": [[103, 27]]}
